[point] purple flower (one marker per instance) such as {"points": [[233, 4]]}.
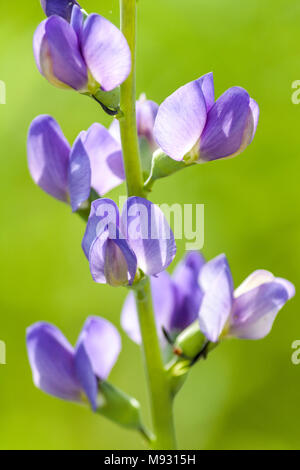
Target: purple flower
{"points": [[176, 300], [146, 112], [117, 246], [68, 174], [82, 55], [61, 8], [73, 373], [190, 125], [249, 311]]}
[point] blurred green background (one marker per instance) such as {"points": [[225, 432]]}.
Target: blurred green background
{"points": [[247, 395]]}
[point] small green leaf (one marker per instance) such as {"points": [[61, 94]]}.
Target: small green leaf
{"points": [[110, 99], [163, 166], [118, 407]]}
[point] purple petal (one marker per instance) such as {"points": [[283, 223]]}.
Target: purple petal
{"points": [[106, 52], [77, 20], [164, 298], [216, 282], [61, 8], [146, 112], [111, 259], [48, 157], [86, 375], [149, 235], [254, 109], [51, 359], [289, 287], [79, 175], [188, 292], [255, 279], [227, 128], [259, 277], [114, 130], [180, 120], [60, 59], [106, 159], [102, 343], [103, 213], [207, 85], [255, 311], [37, 43]]}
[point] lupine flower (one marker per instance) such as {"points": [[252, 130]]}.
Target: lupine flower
{"points": [[68, 174], [247, 312], [190, 125], [61, 8], [73, 373], [176, 300], [83, 55], [146, 112], [118, 246]]}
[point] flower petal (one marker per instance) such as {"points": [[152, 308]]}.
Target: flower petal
{"points": [[103, 212], [96, 352], [102, 343], [114, 130], [289, 287], [37, 43], [106, 52], [60, 57], [180, 120], [111, 259], [79, 175], [51, 359], [149, 235], [255, 311], [164, 298], [106, 159], [146, 112], [188, 292], [257, 278], [216, 282], [207, 85], [86, 376], [77, 20], [61, 8], [226, 125], [254, 108], [48, 157]]}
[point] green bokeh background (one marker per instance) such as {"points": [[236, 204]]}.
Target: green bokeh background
{"points": [[247, 395]]}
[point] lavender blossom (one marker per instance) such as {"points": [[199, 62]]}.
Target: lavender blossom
{"points": [[190, 125], [83, 55], [120, 247], [247, 312], [68, 174], [176, 300], [73, 373]]}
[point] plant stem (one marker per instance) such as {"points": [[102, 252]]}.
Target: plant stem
{"points": [[128, 126], [158, 384], [159, 387]]}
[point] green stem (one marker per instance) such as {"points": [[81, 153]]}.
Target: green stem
{"points": [[158, 384], [128, 126]]}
